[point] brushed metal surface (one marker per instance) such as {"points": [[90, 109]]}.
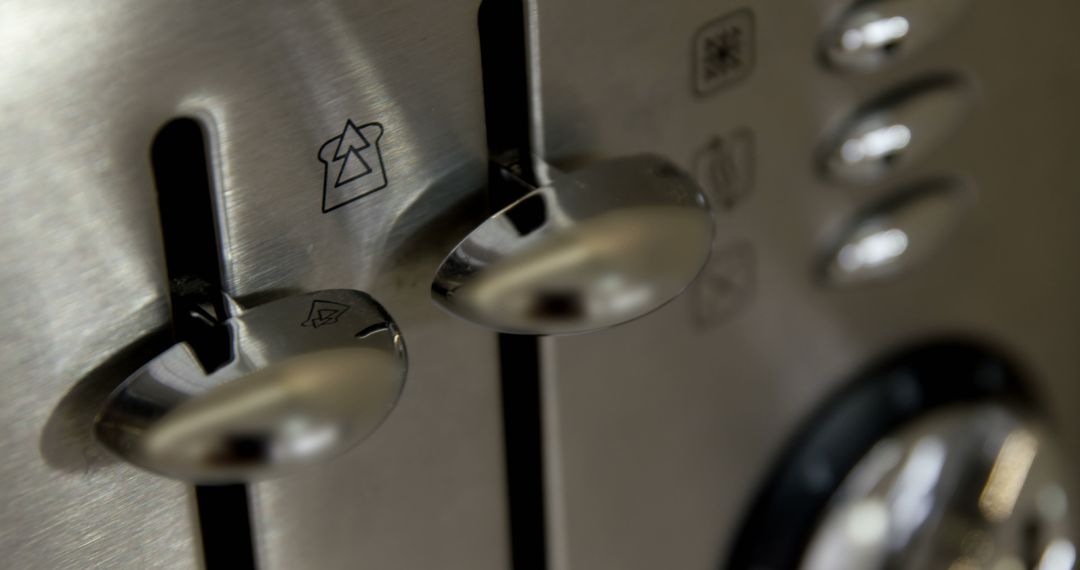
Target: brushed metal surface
{"points": [[88, 86], [82, 280], [659, 431]]}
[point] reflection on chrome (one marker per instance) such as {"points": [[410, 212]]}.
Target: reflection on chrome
{"points": [[302, 439], [594, 248], [913, 498], [1007, 477], [293, 394], [873, 250], [868, 522], [1059, 555], [875, 33], [1052, 502], [900, 127], [1009, 563], [901, 229], [876, 144], [926, 510]]}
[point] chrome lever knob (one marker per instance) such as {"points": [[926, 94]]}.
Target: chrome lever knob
{"points": [[311, 376], [591, 249]]}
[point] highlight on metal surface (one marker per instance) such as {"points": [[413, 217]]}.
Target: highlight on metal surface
{"points": [[874, 33], [593, 248], [311, 376], [934, 456], [898, 129], [906, 227], [969, 487]]}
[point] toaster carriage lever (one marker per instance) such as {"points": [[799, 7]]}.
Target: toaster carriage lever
{"points": [[309, 377], [583, 251], [245, 393]]}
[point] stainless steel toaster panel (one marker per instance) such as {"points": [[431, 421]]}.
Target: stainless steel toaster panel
{"points": [[660, 432], [84, 272]]}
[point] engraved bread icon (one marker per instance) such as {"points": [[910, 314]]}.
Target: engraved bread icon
{"points": [[353, 165]]}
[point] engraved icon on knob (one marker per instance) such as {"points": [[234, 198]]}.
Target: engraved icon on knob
{"points": [[310, 376]]}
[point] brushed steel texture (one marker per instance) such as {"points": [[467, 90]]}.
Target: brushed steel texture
{"points": [[310, 377], [83, 280], [659, 431], [589, 250], [84, 275]]}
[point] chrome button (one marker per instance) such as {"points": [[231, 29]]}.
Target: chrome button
{"points": [[311, 376], [591, 249], [901, 230], [873, 34], [897, 130]]}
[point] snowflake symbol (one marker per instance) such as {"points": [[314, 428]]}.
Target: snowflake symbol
{"points": [[723, 53]]}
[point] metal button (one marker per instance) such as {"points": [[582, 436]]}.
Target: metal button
{"points": [[311, 376], [896, 130], [594, 248], [899, 231], [873, 34]]}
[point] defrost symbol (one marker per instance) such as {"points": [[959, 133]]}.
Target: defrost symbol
{"points": [[353, 166], [724, 52]]}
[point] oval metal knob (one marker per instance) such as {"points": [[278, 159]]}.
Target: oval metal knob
{"points": [[311, 376], [593, 248], [874, 33], [897, 130], [899, 231]]}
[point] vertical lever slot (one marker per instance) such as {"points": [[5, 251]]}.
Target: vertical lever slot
{"points": [[189, 232], [504, 63], [185, 190]]}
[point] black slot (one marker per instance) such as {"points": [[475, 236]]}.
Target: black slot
{"points": [[519, 360], [189, 232], [225, 527], [504, 62], [184, 184], [506, 109]]}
